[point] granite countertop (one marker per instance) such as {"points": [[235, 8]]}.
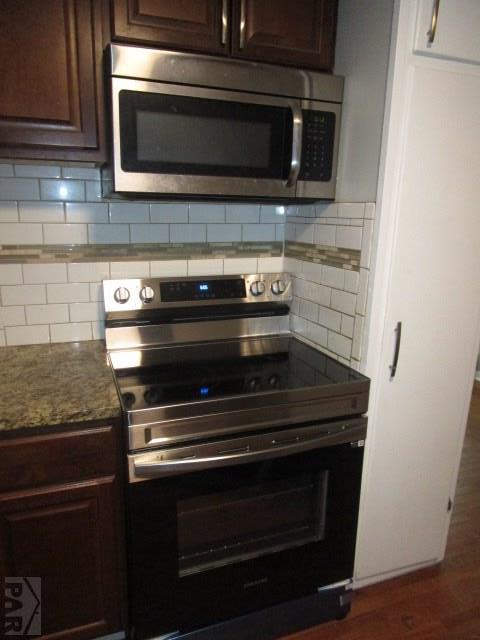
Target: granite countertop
{"points": [[46, 385]]}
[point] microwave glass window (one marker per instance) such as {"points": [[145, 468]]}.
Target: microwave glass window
{"points": [[171, 137], [198, 136]]}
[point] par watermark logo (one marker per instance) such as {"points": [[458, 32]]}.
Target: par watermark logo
{"points": [[23, 610]]}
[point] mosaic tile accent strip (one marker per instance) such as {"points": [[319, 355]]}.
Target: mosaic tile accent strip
{"points": [[320, 254], [21, 254]]}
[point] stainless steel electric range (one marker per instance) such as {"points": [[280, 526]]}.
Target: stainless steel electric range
{"points": [[245, 450]]}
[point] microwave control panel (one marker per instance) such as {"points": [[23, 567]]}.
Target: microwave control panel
{"points": [[317, 146]]}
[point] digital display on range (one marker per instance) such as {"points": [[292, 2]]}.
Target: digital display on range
{"points": [[192, 290]]}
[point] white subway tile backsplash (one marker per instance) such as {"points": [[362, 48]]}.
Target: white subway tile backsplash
{"points": [[333, 277], [293, 266], [44, 273], [164, 212], [46, 313], [96, 292], [148, 233], [324, 234], [21, 233], [347, 326], [235, 266], [3, 340], [224, 232], [86, 212], [304, 233], [81, 173], [85, 311], [41, 212], [61, 190], [316, 333], [11, 274], [312, 271], [37, 171], [370, 210], [351, 209], [258, 232], [329, 318], [72, 292], [6, 170], [8, 212], [71, 332], [93, 191], [326, 210], [24, 294], [279, 232], [339, 344], [290, 231], [19, 189], [168, 268], [108, 233], [88, 271], [208, 267], [180, 233], [135, 269], [243, 213], [362, 292], [65, 233], [343, 301], [351, 281], [98, 330], [311, 291], [12, 316], [366, 243], [270, 265], [357, 338], [129, 212], [27, 335], [272, 213], [206, 213], [308, 310], [349, 237]]}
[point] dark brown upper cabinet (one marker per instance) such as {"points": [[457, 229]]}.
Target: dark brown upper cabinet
{"points": [[291, 32], [51, 88], [186, 24]]}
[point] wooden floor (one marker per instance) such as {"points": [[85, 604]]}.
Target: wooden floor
{"points": [[442, 602]]}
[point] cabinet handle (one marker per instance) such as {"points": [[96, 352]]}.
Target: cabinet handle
{"points": [[224, 22], [242, 25], [398, 337], [433, 24]]}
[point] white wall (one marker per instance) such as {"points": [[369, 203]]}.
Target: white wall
{"points": [[362, 51]]}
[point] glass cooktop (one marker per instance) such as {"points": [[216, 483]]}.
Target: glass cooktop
{"points": [[198, 373]]}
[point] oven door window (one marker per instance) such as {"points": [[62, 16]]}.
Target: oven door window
{"points": [[171, 134], [226, 527]]}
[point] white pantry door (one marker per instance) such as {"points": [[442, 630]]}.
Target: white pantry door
{"points": [[418, 419]]}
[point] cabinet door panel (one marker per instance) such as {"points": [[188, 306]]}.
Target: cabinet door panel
{"points": [[456, 33], [300, 32], [65, 536], [419, 418], [50, 79], [183, 24]]}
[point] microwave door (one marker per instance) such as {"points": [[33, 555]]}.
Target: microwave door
{"points": [[171, 139]]}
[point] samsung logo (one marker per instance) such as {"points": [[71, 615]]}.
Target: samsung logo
{"points": [[255, 583]]}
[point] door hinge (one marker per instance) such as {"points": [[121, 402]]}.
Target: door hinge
{"points": [[449, 505]]}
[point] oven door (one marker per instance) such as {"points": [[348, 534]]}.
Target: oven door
{"points": [[175, 139], [241, 524]]}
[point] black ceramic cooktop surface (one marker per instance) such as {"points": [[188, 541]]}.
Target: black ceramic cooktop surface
{"points": [[215, 372]]}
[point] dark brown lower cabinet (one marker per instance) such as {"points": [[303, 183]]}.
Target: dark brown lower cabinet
{"points": [[71, 536]]}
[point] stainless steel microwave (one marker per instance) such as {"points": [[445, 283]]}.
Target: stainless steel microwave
{"points": [[198, 126]]}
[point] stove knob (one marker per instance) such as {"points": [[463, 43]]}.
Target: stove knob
{"points": [[254, 384], [278, 287], [147, 294], [257, 288], [121, 295]]}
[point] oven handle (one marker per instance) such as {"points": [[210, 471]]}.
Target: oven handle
{"points": [[148, 468], [297, 119]]}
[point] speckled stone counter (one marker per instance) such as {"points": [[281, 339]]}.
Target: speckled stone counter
{"points": [[54, 384]]}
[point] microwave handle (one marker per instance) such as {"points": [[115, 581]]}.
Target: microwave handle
{"points": [[297, 119]]}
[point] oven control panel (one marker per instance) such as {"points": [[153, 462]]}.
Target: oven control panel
{"points": [[157, 293]]}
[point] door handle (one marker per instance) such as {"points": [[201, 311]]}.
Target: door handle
{"points": [[241, 43], [297, 131], [433, 24], [396, 353], [224, 22]]}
